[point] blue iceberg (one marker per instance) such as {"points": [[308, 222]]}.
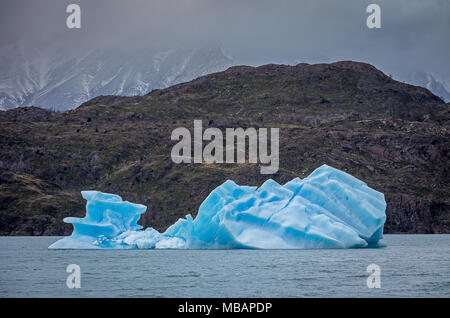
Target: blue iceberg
{"points": [[328, 209]]}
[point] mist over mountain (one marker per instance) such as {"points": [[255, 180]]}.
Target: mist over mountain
{"points": [[58, 79], [59, 68]]}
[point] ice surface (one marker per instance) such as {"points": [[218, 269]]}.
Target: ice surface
{"points": [[328, 209], [107, 218]]}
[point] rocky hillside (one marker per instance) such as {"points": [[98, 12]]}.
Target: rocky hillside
{"points": [[348, 115]]}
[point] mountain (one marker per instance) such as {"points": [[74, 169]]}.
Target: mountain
{"points": [[392, 135], [56, 79], [436, 84]]}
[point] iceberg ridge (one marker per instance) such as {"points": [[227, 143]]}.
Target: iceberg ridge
{"points": [[327, 209]]}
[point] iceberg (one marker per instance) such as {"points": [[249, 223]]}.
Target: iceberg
{"points": [[327, 209]]}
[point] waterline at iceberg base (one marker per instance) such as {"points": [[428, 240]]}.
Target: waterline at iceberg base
{"points": [[328, 209]]}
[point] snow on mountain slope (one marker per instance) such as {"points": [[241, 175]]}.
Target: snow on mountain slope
{"points": [[435, 83], [56, 80]]}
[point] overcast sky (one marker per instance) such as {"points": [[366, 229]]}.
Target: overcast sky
{"points": [[414, 33]]}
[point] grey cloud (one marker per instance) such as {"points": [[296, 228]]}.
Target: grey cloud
{"points": [[414, 32]]}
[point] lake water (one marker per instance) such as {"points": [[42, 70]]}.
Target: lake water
{"points": [[411, 266]]}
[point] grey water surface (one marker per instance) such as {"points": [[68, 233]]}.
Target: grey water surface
{"points": [[411, 266]]}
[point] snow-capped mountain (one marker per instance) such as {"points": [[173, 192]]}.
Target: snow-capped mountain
{"points": [[56, 79], [435, 83]]}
